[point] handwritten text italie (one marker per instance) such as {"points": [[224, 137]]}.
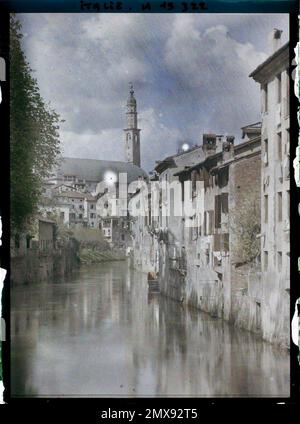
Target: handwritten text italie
{"points": [[118, 6]]}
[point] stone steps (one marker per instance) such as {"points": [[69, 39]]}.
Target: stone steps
{"points": [[87, 256]]}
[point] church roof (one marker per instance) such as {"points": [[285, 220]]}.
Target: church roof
{"points": [[94, 170]]}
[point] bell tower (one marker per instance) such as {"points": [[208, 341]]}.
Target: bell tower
{"points": [[132, 133]]}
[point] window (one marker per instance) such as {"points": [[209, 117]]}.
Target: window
{"points": [[92, 215], [210, 219], [207, 257], [80, 216], [279, 205], [200, 224], [258, 258], [279, 261], [266, 257], [287, 91], [194, 182], [72, 215], [266, 208], [224, 200], [122, 237], [28, 238], [223, 177], [218, 211], [266, 152], [62, 215], [287, 143], [92, 206], [278, 83], [265, 97], [279, 146], [225, 242]]}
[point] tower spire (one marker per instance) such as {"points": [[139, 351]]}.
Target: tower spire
{"points": [[131, 90], [132, 133]]}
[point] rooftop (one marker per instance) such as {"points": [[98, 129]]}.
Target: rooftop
{"points": [[261, 71], [94, 170], [48, 221]]}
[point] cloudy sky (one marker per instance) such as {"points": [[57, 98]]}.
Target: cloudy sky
{"points": [[190, 74]]}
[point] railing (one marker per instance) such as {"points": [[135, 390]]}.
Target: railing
{"points": [[46, 245]]}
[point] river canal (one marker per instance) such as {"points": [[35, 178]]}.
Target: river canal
{"points": [[100, 333]]}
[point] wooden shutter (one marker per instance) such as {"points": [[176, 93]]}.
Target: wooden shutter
{"points": [[218, 211]]}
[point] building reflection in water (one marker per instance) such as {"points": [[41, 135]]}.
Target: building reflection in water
{"points": [[101, 333]]}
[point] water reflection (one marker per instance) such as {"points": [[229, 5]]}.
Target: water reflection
{"points": [[101, 333]]}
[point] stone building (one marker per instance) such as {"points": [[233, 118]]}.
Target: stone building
{"points": [[143, 229], [273, 77], [75, 184], [192, 253], [90, 213], [132, 133], [148, 230], [227, 171], [74, 200], [231, 255], [85, 174], [41, 255], [42, 238], [46, 233]]}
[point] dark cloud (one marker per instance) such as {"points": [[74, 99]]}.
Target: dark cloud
{"points": [[190, 74]]}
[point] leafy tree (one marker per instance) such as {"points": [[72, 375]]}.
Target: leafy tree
{"points": [[34, 136]]}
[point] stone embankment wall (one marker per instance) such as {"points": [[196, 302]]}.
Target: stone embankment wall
{"points": [[34, 265], [236, 295]]}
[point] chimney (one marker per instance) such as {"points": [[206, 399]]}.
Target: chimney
{"points": [[209, 143], [275, 39]]}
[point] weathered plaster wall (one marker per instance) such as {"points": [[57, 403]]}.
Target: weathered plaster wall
{"points": [[245, 279], [35, 265]]}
